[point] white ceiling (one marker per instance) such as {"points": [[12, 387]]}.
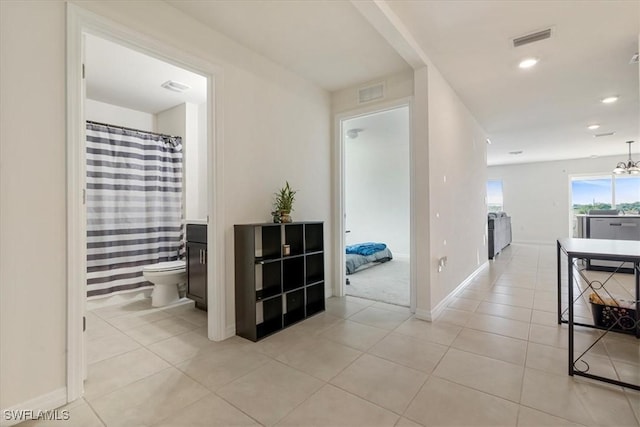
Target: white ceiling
{"points": [[120, 76], [543, 111], [328, 42]]}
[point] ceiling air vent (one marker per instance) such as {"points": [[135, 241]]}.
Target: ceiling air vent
{"points": [[175, 86], [600, 135], [371, 93], [533, 37]]}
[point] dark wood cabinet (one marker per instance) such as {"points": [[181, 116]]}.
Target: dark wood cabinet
{"points": [[279, 276], [197, 264]]}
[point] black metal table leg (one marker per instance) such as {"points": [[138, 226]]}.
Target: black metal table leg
{"points": [[570, 320]]}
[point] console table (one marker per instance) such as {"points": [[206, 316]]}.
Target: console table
{"points": [[586, 249]]}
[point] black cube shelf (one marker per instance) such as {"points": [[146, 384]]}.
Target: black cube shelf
{"points": [[274, 289]]}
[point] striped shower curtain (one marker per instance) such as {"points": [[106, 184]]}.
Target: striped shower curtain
{"points": [[134, 206]]}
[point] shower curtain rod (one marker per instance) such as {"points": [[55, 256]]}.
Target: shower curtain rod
{"points": [[131, 129]]}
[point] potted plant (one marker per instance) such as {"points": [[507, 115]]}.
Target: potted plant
{"points": [[283, 203]]}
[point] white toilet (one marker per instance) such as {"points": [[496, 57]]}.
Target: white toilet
{"points": [[165, 276]]}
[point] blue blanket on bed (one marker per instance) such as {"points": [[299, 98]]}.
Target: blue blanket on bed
{"points": [[366, 249]]}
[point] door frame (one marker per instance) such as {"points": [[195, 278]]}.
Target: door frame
{"points": [[80, 22], [339, 190]]}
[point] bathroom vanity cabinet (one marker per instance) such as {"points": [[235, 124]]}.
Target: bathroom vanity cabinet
{"points": [[279, 276], [197, 264]]}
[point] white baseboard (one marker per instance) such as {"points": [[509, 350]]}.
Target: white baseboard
{"points": [[46, 402], [433, 314], [423, 315], [230, 331]]}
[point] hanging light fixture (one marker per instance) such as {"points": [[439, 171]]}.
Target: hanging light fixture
{"points": [[629, 167]]}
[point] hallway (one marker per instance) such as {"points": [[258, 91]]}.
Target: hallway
{"points": [[495, 357]]}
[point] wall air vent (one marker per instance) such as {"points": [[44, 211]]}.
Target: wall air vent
{"points": [[371, 93], [533, 37], [600, 135]]}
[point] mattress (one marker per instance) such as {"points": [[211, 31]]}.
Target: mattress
{"points": [[355, 262]]}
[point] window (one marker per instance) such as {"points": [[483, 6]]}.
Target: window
{"points": [[605, 192], [591, 193], [494, 195], [627, 194]]}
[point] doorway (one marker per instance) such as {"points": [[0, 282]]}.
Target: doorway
{"points": [[146, 166], [376, 182], [80, 23]]}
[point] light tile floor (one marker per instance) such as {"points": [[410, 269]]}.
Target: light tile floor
{"points": [[495, 357]]}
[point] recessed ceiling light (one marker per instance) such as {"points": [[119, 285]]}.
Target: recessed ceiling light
{"points": [[593, 127], [528, 63], [488, 141], [609, 99]]}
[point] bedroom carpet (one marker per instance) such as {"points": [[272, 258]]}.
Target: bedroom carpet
{"points": [[386, 282]]}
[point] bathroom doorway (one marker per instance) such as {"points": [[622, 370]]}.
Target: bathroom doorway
{"points": [[146, 170], [146, 175], [80, 25]]}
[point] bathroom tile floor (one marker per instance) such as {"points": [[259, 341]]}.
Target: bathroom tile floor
{"points": [[495, 357]]}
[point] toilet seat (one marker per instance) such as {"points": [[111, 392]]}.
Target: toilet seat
{"points": [[167, 266]]}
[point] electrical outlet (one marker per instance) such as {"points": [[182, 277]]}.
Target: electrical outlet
{"points": [[442, 263]]}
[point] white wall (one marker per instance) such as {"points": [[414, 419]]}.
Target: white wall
{"points": [[200, 211], [377, 181], [537, 195], [457, 190], [276, 128], [183, 120], [115, 115], [32, 200]]}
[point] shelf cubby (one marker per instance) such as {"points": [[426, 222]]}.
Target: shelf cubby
{"points": [[315, 299], [313, 237], [315, 268], [268, 279], [292, 273], [294, 307], [294, 237], [268, 316], [268, 242]]}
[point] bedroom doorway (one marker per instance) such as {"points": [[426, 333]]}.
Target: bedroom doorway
{"points": [[376, 148]]}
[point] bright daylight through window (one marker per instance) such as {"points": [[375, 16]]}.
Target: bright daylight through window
{"points": [[494, 196], [621, 193], [606, 192]]}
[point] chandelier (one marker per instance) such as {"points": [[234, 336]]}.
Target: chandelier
{"points": [[629, 167]]}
